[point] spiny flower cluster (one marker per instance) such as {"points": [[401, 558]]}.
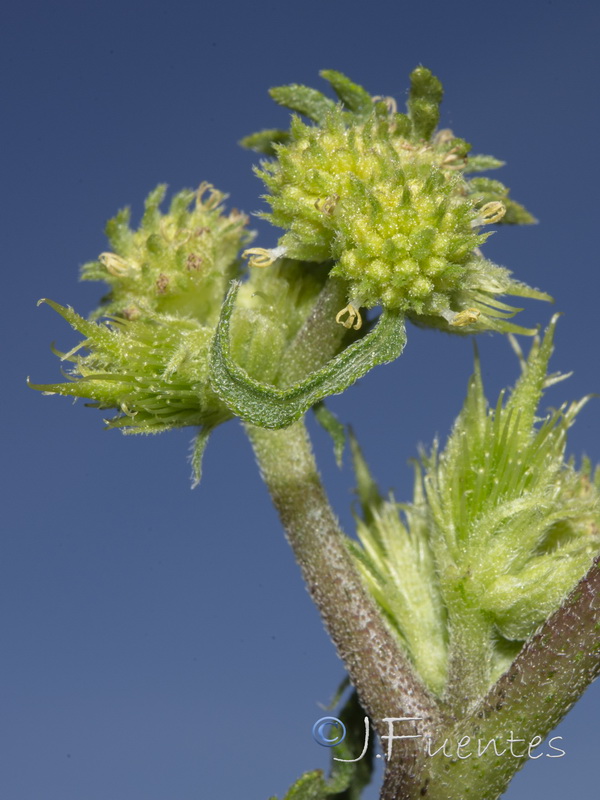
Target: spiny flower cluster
{"points": [[148, 357], [178, 263], [500, 529], [515, 525], [386, 200]]}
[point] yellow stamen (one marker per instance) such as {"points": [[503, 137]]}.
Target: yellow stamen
{"points": [[116, 265], [442, 137], [259, 257], [491, 212], [238, 216], [354, 319], [452, 160], [466, 317], [327, 205], [392, 105], [214, 195]]}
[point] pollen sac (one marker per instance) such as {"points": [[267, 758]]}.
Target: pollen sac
{"points": [[386, 201]]}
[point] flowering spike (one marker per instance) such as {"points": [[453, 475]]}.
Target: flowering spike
{"points": [[179, 262], [149, 358]]}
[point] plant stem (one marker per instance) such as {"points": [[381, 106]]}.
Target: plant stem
{"points": [[319, 339], [470, 658], [381, 673]]}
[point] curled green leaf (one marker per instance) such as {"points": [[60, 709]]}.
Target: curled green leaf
{"points": [[352, 773], [349, 775], [310, 786], [272, 407]]}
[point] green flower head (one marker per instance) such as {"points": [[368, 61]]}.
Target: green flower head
{"points": [[178, 263], [386, 199], [146, 349]]}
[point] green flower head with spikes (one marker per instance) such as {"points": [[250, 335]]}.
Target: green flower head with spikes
{"points": [[385, 197], [145, 351]]}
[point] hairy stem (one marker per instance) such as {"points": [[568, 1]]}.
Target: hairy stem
{"points": [[384, 679], [471, 649], [320, 337], [381, 673]]}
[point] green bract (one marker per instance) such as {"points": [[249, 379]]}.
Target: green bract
{"points": [[272, 406], [397, 563], [271, 308], [386, 200], [499, 531]]}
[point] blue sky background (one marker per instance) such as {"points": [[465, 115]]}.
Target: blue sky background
{"points": [[158, 643]]}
